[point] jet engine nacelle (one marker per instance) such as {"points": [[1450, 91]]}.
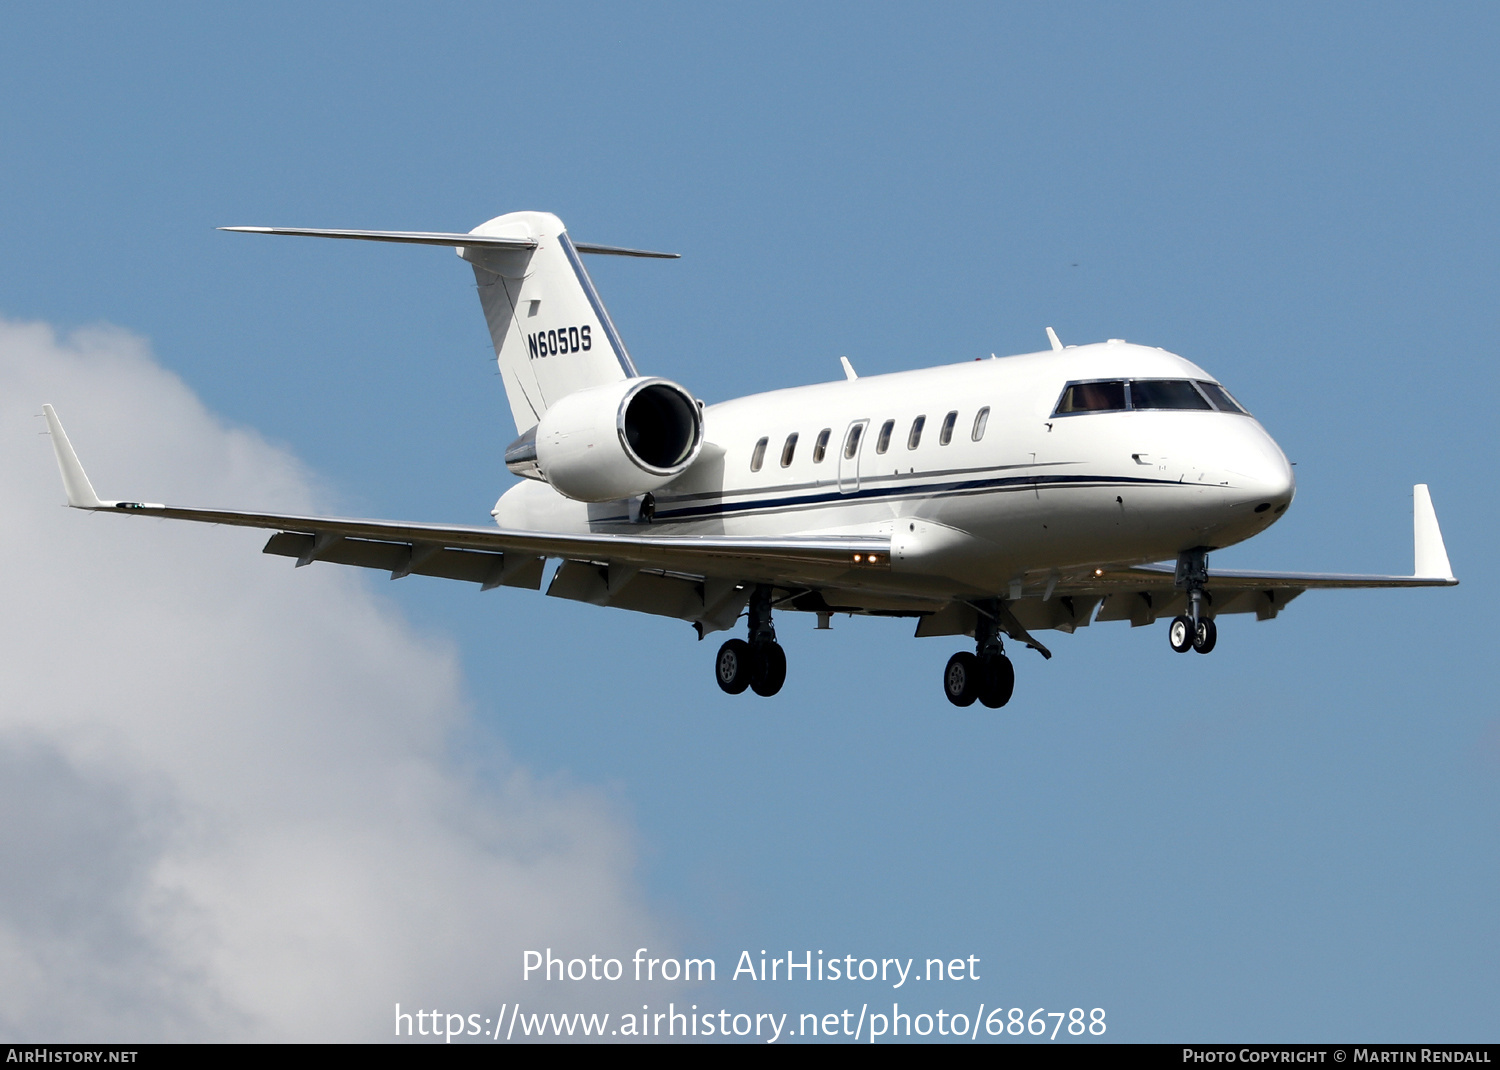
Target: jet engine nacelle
{"points": [[619, 440]]}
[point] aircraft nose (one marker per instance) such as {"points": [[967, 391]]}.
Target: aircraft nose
{"points": [[1259, 469]]}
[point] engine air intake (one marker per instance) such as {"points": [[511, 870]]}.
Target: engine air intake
{"points": [[660, 426]]}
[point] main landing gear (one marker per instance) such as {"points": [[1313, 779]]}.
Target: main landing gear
{"points": [[759, 664], [1193, 630], [986, 675]]}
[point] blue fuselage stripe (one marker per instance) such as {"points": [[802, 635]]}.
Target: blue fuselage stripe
{"points": [[664, 510]]}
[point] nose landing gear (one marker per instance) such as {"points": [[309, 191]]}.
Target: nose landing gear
{"points": [[986, 675], [760, 664], [1193, 630]]}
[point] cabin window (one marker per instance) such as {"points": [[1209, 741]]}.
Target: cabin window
{"points": [[820, 447], [1165, 394], [789, 450], [945, 435], [1221, 399], [883, 443], [981, 418], [914, 439], [851, 444], [759, 455], [1092, 397]]}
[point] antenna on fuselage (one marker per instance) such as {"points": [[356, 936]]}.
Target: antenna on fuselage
{"points": [[1057, 345], [849, 372]]}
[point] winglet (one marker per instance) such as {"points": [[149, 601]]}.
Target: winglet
{"points": [[1431, 555], [80, 491]]}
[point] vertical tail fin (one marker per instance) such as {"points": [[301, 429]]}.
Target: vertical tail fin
{"points": [[552, 334]]}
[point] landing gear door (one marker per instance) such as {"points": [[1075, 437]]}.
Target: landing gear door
{"points": [[849, 450]]}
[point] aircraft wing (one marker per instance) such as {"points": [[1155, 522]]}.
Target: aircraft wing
{"points": [[697, 578], [1143, 593]]}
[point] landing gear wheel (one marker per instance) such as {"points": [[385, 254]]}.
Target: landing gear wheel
{"points": [[997, 681], [961, 679], [767, 668], [1207, 635], [732, 667], [1181, 633]]}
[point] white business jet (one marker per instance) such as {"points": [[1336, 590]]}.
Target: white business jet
{"points": [[991, 499]]}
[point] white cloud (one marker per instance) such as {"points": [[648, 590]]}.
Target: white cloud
{"points": [[228, 803]]}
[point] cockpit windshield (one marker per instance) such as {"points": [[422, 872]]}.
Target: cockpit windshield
{"points": [[1117, 395], [1221, 399], [1092, 397], [1165, 394]]}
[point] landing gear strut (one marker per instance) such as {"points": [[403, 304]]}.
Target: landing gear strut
{"points": [[987, 674], [759, 664], [1194, 629]]}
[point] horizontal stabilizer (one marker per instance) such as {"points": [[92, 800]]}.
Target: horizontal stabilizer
{"points": [[618, 250], [421, 237], [408, 237]]}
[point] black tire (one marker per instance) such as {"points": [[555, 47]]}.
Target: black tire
{"points": [[767, 669], [997, 681], [1207, 635], [732, 666], [961, 679], [1180, 633]]}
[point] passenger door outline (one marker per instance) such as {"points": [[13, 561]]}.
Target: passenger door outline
{"points": [[849, 466]]}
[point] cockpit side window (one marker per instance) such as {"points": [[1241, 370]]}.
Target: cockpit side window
{"points": [[1092, 397], [1165, 394], [1221, 399]]}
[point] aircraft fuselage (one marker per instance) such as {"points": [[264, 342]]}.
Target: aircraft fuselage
{"points": [[978, 500]]}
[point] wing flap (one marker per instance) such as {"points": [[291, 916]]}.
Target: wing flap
{"points": [[641, 592], [397, 558]]}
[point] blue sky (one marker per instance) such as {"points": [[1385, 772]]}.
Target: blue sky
{"points": [[1292, 839]]}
